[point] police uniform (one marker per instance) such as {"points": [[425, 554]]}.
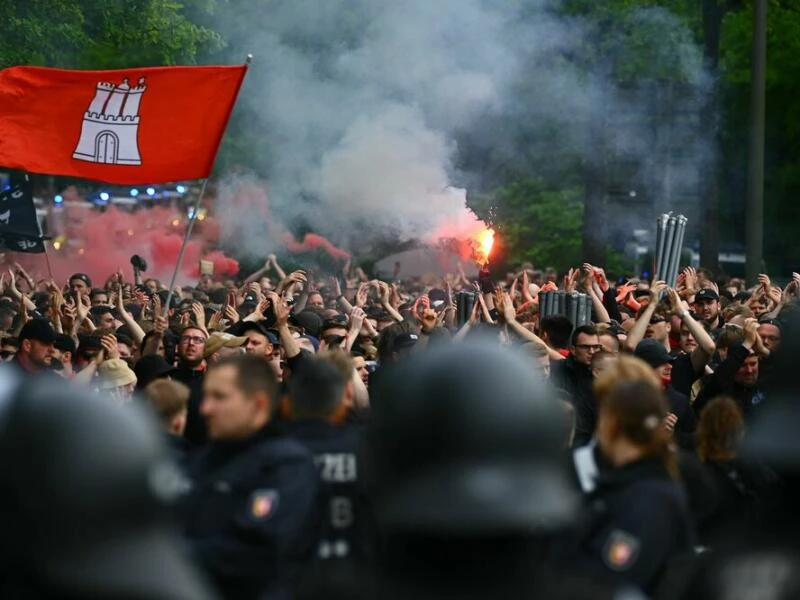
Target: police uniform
{"points": [[335, 454], [639, 525], [251, 517]]}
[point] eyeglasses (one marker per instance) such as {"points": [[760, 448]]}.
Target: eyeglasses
{"points": [[589, 347], [195, 339], [6, 354]]}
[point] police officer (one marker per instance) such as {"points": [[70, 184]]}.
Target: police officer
{"points": [[318, 400], [640, 528], [251, 517], [87, 492], [468, 482]]}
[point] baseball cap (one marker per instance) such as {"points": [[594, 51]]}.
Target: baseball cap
{"points": [[309, 321], [405, 340], [261, 327], [653, 353], [83, 277], [217, 341], [706, 294], [39, 330]]}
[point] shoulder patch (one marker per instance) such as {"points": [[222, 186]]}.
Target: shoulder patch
{"points": [[621, 550], [263, 504]]}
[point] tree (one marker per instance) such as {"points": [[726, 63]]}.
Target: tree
{"points": [[104, 34], [536, 223]]}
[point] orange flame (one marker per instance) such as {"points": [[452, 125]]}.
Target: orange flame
{"points": [[485, 241]]}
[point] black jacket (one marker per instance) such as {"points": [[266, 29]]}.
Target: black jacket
{"points": [[196, 431], [252, 518], [639, 526], [686, 425], [576, 380], [335, 450], [722, 382]]}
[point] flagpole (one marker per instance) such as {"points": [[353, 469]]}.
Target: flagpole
{"points": [[192, 218], [47, 258]]}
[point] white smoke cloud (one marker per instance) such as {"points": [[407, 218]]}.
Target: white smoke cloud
{"points": [[358, 104]]}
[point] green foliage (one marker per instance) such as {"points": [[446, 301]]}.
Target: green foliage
{"points": [[104, 34], [537, 223]]}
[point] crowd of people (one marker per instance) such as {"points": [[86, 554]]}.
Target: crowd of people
{"points": [[341, 436]]}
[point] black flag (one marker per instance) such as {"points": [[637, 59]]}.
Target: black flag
{"points": [[19, 226]]}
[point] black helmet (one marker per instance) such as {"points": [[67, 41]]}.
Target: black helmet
{"points": [[468, 439], [85, 497]]}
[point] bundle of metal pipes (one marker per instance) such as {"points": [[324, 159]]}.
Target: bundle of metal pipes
{"points": [[575, 306], [669, 247], [465, 303]]}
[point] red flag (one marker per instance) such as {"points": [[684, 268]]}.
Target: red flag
{"points": [[131, 126]]}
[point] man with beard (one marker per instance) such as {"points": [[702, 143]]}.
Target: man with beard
{"points": [[191, 371], [36, 347], [737, 376], [706, 306]]}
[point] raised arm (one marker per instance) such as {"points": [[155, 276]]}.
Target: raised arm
{"points": [[636, 334]]}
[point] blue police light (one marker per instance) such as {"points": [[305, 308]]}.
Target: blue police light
{"points": [[104, 196], [151, 191], [58, 199], [646, 275], [134, 192], [181, 189]]}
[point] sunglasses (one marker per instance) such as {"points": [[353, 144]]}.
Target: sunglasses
{"points": [[656, 320], [6, 354]]}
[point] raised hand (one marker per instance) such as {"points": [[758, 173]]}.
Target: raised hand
{"points": [[361, 295], [657, 289], [357, 317], [199, 315], [160, 325], [281, 310], [109, 343]]}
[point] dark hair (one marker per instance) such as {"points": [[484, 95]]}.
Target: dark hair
{"points": [[719, 430], [318, 391], [388, 337], [97, 292], [125, 339], [639, 408], [64, 343], [99, 311], [558, 329], [253, 375], [9, 340], [582, 330]]}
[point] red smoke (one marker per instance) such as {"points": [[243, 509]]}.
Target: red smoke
{"points": [[250, 199], [311, 242], [99, 244]]}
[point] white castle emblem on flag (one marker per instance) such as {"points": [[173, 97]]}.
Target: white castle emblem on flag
{"points": [[109, 134]]}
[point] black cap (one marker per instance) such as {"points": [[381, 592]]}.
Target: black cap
{"points": [[653, 353], [262, 327], [468, 440], [149, 368], [83, 277], [92, 508], [405, 340], [39, 330], [706, 294], [309, 321]]}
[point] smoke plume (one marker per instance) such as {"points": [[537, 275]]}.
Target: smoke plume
{"points": [[355, 109]]}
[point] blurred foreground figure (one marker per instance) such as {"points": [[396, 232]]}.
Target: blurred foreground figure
{"points": [[766, 561], [86, 494], [468, 482]]}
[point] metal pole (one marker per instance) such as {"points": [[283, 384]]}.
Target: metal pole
{"points": [[755, 180], [662, 240], [192, 218], [673, 277], [572, 308], [670, 237]]}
